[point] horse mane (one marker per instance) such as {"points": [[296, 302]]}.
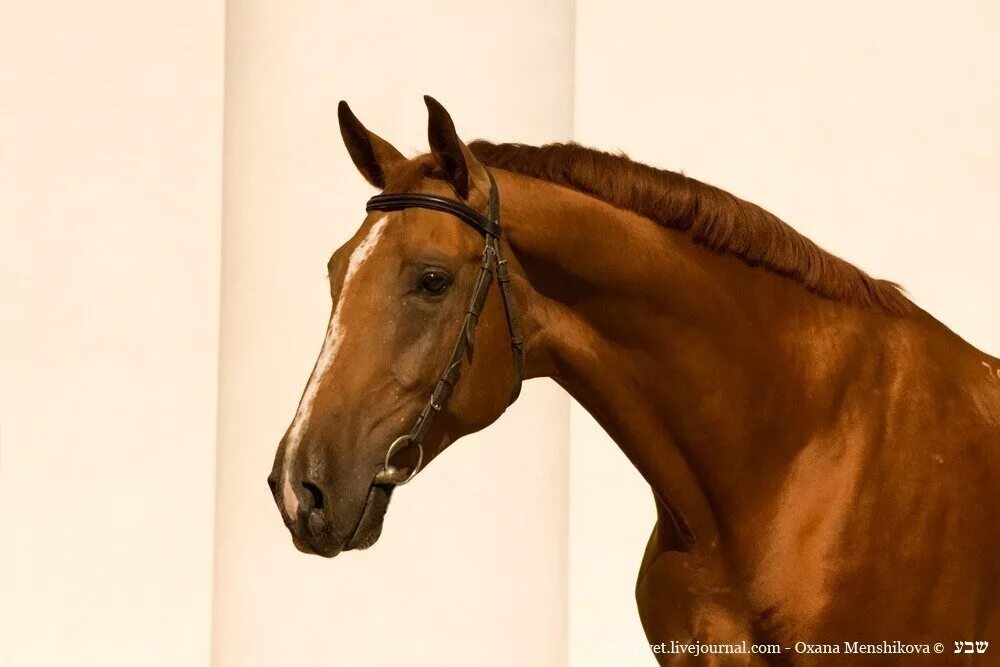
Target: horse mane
{"points": [[708, 215]]}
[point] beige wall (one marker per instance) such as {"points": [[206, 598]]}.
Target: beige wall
{"points": [[110, 167], [870, 127], [471, 566]]}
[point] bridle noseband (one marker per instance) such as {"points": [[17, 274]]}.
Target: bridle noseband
{"points": [[493, 262]]}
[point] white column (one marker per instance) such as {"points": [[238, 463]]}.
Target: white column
{"points": [[471, 566], [872, 128], [110, 214]]}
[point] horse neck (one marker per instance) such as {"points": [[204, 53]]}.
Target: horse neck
{"points": [[702, 369]]}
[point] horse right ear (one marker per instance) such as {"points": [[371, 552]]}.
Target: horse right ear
{"points": [[371, 154]]}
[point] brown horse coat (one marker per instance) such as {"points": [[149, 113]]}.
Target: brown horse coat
{"points": [[824, 456]]}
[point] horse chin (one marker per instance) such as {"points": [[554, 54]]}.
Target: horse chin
{"points": [[369, 527]]}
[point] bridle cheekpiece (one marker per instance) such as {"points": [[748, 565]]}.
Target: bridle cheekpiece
{"points": [[492, 264]]}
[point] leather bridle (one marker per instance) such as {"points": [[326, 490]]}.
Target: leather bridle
{"points": [[492, 263]]}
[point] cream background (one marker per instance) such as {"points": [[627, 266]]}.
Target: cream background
{"points": [[110, 214], [871, 128]]}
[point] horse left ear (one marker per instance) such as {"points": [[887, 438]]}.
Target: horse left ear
{"points": [[371, 154], [464, 171]]}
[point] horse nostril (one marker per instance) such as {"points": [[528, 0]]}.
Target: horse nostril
{"points": [[272, 482], [317, 494]]}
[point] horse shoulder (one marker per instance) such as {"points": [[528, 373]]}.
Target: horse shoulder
{"points": [[891, 501]]}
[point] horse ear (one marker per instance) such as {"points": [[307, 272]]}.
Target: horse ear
{"points": [[371, 154], [462, 168]]}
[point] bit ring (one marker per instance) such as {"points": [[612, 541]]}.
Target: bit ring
{"points": [[390, 474]]}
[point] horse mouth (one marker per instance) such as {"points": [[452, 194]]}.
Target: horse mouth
{"points": [[369, 527], [320, 541]]}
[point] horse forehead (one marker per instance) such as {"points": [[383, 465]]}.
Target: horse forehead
{"points": [[349, 259], [398, 232], [416, 229]]}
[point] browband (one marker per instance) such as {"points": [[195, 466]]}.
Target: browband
{"points": [[466, 214]]}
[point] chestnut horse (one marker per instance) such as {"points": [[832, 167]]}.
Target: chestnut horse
{"points": [[824, 456]]}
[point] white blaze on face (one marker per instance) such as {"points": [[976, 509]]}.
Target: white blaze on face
{"points": [[331, 345]]}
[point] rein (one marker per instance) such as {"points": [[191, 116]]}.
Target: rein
{"points": [[492, 264]]}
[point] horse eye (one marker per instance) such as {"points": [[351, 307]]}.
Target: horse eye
{"points": [[434, 282]]}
